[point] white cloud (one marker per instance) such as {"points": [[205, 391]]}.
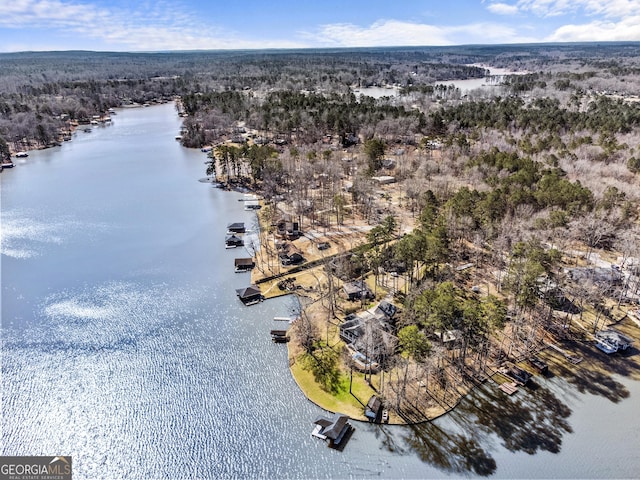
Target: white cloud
{"points": [[381, 33], [47, 13], [172, 25], [503, 8], [158, 25], [607, 8], [398, 33], [549, 8], [599, 31]]}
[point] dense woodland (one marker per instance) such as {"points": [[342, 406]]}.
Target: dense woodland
{"points": [[528, 180]]}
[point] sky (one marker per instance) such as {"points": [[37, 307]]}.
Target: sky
{"points": [[159, 25]]}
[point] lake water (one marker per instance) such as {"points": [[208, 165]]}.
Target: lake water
{"points": [[465, 86], [484, 83], [124, 345]]}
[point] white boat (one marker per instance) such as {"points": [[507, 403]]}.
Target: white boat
{"points": [[7, 164], [611, 341], [22, 154], [606, 347]]}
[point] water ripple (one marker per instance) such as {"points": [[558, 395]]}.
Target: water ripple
{"points": [[24, 234]]}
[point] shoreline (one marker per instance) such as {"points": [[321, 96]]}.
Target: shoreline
{"points": [[353, 404], [73, 125]]}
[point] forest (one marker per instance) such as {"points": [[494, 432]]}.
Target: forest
{"points": [[511, 222]]}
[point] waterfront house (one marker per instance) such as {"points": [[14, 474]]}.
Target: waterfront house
{"points": [[333, 430], [351, 329], [249, 295], [244, 264], [371, 332]]}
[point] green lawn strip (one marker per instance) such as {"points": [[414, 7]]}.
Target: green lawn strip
{"points": [[342, 401]]}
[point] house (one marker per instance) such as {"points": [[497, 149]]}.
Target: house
{"points": [[373, 409], [244, 264], [520, 376], [371, 332], [237, 227], [323, 245], [351, 329], [386, 310], [384, 179], [598, 275], [388, 164], [249, 295], [334, 430], [357, 290], [293, 259], [232, 241], [290, 254], [450, 338], [287, 228]]}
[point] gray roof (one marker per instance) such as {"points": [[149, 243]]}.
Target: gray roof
{"points": [[386, 308], [354, 326], [248, 292], [374, 404], [233, 239], [332, 428], [356, 286], [243, 261]]}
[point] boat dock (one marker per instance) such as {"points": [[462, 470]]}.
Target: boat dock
{"points": [[508, 387], [279, 336], [285, 319]]}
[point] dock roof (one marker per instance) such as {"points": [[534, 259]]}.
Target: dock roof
{"points": [[243, 262], [332, 428], [248, 292]]}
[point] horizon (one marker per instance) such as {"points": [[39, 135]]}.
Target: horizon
{"points": [[197, 25], [329, 49]]}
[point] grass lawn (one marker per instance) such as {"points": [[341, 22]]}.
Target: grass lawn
{"points": [[342, 401]]}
